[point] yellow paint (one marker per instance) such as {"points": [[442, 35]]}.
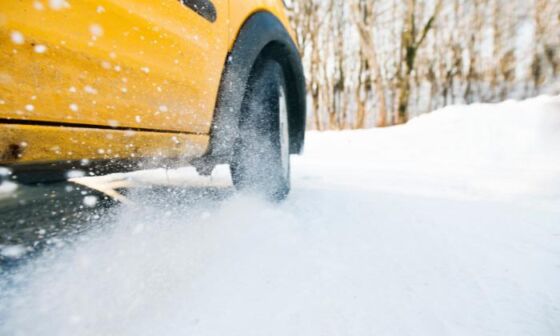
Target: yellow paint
{"points": [[241, 10], [128, 62], [121, 63], [30, 144]]}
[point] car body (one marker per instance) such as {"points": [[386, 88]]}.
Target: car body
{"points": [[104, 85]]}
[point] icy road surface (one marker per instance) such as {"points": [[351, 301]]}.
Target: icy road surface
{"points": [[449, 225]]}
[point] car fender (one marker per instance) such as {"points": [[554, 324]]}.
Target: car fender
{"points": [[262, 34]]}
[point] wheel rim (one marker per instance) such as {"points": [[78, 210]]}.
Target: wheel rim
{"points": [[284, 135]]}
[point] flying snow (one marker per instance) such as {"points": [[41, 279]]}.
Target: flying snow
{"points": [[58, 4], [38, 5], [12, 251], [448, 225], [40, 48], [96, 30], [17, 37], [90, 201]]}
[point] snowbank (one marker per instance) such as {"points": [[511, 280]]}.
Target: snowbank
{"points": [[485, 151]]}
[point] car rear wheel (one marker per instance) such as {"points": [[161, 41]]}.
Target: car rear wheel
{"points": [[261, 162]]}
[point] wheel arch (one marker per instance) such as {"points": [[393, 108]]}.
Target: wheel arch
{"points": [[262, 35]]}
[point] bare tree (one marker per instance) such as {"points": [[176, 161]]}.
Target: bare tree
{"points": [[411, 40], [379, 62], [363, 16]]}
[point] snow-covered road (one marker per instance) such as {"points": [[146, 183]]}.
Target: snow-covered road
{"points": [[449, 225]]}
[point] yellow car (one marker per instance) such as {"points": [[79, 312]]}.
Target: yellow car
{"points": [[113, 85]]}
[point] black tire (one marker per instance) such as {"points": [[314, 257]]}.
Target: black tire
{"points": [[261, 161]]}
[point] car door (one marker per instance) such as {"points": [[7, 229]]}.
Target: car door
{"points": [[131, 64]]}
